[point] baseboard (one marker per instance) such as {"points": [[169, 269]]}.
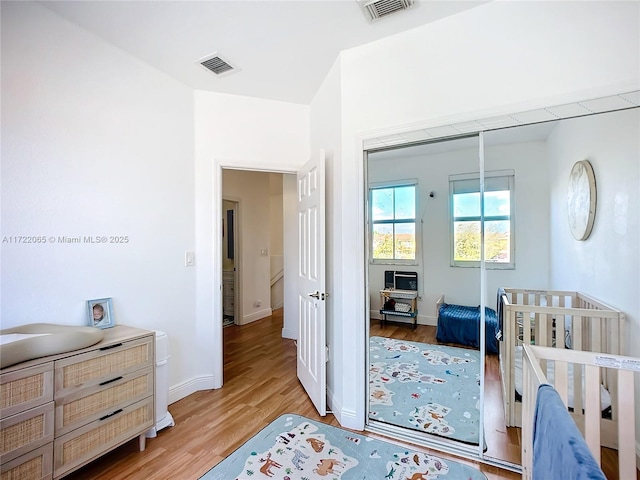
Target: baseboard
{"points": [[333, 404], [178, 392], [637, 456], [288, 333], [422, 319], [252, 317], [348, 419]]}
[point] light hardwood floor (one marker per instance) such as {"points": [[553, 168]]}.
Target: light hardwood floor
{"points": [[260, 384]]}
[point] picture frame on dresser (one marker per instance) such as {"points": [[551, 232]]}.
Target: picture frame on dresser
{"points": [[100, 313]]}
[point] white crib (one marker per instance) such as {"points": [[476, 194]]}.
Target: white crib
{"points": [[543, 318], [590, 423]]}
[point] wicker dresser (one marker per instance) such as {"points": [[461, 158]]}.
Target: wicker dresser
{"points": [[60, 412]]}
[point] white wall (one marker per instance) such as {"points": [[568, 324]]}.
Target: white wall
{"points": [[495, 55], [106, 145], [436, 276], [94, 143], [275, 214], [276, 228], [290, 260], [607, 264], [501, 57], [234, 132]]}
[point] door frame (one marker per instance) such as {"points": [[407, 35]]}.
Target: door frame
{"points": [[217, 340], [237, 261]]}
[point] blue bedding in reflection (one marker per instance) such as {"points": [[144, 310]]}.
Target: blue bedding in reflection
{"points": [[461, 324]]}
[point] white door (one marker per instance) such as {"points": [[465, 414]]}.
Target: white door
{"points": [[312, 355]]}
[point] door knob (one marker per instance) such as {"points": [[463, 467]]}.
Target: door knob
{"points": [[319, 296]]}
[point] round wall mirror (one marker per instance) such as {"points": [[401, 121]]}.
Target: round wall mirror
{"points": [[581, 199]]}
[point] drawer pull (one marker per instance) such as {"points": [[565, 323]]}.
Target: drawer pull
{"points": [[111, 381], [111, 346], [111, 414]]}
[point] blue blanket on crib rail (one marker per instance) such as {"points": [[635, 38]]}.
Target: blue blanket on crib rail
{"points": [[559, 450], [461, 324]]}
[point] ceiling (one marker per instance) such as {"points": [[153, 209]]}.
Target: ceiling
{"points": [[280, 50]]}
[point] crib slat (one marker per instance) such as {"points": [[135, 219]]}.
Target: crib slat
{"points": [[528, 403], [576, 334], [526, 326], [562, 381], [592, 409], [569, 302], [578, 380], [612, 344], [626, 426], [511, 354], [541, 336], [596, 334], [535, 327]]}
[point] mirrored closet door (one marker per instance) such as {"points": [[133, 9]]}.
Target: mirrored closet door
{"points": [[421, 384], [426, 221], [573, 250]]}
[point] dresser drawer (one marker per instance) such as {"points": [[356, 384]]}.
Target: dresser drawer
{"points": [[26, 388], [35, 465], [104, 364], [26, 431], [88, 442], [92, 403]]}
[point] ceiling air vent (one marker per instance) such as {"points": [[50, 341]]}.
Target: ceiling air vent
{"points": [[216, 64], [376, 9]]}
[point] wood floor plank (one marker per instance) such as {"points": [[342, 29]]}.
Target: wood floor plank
{"points": [[260, 384]]}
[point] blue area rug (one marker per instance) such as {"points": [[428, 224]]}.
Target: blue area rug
{"points": [[297, 448], [429, 388]]}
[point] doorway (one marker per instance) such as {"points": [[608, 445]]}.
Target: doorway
{"points": [[255, 211]]}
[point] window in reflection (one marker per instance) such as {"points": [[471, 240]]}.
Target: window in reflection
{"points": [[393, 220], [499, 238]]}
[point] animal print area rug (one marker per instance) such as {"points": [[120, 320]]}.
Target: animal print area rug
{"points": [[297, 448], [430, 388]]}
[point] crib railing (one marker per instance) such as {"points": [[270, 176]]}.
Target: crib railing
{"points": [[590, 423], [563, 319]]}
